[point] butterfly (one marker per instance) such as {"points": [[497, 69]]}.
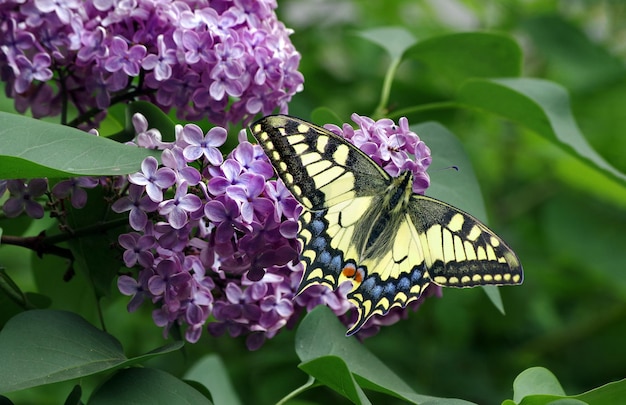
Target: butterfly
{"points": [[363, 225]]}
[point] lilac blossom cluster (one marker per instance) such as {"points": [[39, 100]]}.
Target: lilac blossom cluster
{"points": [[226, 60], [394, 147], [214, 239]]}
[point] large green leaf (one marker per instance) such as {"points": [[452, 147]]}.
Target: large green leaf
{"points": [[322, 338], [538, 386], [146, 386], [33, 148], [45, 346], [540, 105], [455, 58]]}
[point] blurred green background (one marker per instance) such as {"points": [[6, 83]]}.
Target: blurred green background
{"points": [[565, 221]]}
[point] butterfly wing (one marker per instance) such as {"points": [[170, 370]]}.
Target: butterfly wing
{"points": [[334, 181], [434, 243]]}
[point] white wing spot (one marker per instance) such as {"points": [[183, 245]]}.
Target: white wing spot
{"points": [[322, 141], [297, 138], [474, 233], [494, 241], [459, 252], [470, 253], [300, 148], [309, 158], [318, 167], [456, 223], [341, 155], [435, 243]]}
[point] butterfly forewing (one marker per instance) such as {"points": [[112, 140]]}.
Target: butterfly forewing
{"points": [[320, 168], [350, 233]]}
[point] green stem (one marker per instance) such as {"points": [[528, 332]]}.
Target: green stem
{"points": [[381, 109], [297, 391], [42, 244]]}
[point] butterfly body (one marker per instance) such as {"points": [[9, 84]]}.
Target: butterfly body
{"points": [[362, 225]]}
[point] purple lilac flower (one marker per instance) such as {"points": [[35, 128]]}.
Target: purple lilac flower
{"points": [[28, 71], [203, 145], [74, 187], [138, 205], [224, 244], [153, 178], [225, 60], [23, 197]]}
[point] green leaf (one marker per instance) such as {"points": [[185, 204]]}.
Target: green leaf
{"points": [[212, 374], [457, 187], [321, 335], [156, 119], [33, 148], [452, 177], [540, 105], [333, 372], [146, 386], [536, 380], [611, 393], [45, 346], [456, 58], [395, 40], [538, 386]]}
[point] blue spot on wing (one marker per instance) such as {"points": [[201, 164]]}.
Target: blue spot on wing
{"points": [[317, 227], [319, 243], [404, 284], [324, 258], [336, 265], [390, 289]]}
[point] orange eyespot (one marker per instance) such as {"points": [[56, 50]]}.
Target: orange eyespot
{"points": [[350, 271]]}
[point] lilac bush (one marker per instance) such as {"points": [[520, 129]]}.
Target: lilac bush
{"points": [[221, 60], [214, 242], [220, 251], [214, 238]]}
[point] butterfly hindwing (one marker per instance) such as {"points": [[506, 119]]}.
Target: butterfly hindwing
{"points": [[361, 225], [462, 251]]}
